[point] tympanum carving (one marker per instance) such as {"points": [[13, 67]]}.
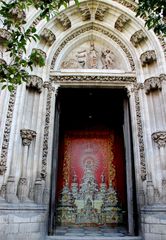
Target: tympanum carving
{"points": [[148, 57], [35, 83], [100, 12], [64, 20], [27, 136], [159, 138], [138, 37], [121, 22], [48, 36]]}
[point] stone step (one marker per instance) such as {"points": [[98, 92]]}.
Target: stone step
{"points": [[92, 238]]}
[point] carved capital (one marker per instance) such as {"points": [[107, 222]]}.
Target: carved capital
{"points": [[138, 37], [153, 83], [4, 35], [121, 22], [27, 136], [35, 82], [64, 20], [85, 12], [148, 57], [159, 138], [100, 12], [48, 36]]}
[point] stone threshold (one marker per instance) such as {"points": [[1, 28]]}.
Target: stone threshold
{"points": [[92, 238]]}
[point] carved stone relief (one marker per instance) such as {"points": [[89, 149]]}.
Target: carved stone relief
{"points": [[148, 57], [100, 12], [35, 82], [48, 36], [138, 37], [98, 29], [92, 79], [6, 137], [64, 20], [46, 129], [85, 12], [27, 136], [18, 15], [127, 4], [121, 22], [41, 52], [4, 35], [159, 138], [92, 56], [153, 83], [136, 89]]}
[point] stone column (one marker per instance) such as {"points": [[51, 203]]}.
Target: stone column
{"points": [[27, 137]]}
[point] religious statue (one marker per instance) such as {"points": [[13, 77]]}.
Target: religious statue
{"points": [[93, 57], [107, 59]]}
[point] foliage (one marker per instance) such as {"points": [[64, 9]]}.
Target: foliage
{"points": [[13, 16], [154, 13]]}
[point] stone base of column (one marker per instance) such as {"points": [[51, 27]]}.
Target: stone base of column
{"points": [[11, 190], [22, 190]]}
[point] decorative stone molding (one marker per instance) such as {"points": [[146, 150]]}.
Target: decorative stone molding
{"points": [[91, 79], [153, 83], [41, 54], [100, 12], [64, 20], [47, 85], [48, 36], [4, 35], [121, 22], [159, 138], [6, 137], [27, 136], [98, 29], [133, 7], [138, 37], [136, 88], [35, 82], [85, 12], [162, 77], [148, 57]]}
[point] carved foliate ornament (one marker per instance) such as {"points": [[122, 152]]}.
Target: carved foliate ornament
{"points": [[100, 12], [64, 20], [85, 12], [6, 136], [138, 37], [121, 22], [48, 36], [35, 82], [39, 53], [159, 138], [153, 83], [27, 136], [148, 57], [4, 36]]}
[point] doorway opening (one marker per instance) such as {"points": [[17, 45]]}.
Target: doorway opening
{"points": [[91, 191]]}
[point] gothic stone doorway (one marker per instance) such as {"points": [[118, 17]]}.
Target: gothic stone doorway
{"points": [[91, 180]]}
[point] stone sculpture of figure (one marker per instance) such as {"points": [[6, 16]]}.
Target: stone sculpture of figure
{"points": [[92, 57], [107, 58]]}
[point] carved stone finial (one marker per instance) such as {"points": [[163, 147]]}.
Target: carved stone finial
{"points": [[148, 57], [153, 83], [138, 37], [85, 12], [27, 136], [121, 22], [100, 12], [159, 138], [4, 35], [48, 36], [64, 21], [35, 82]]}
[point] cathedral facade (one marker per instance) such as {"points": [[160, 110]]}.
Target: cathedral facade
{"points": [[83, 141]]}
